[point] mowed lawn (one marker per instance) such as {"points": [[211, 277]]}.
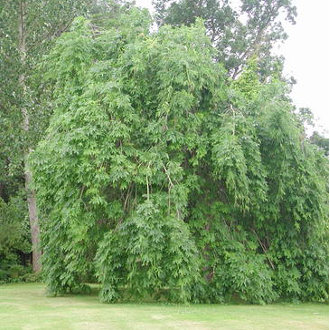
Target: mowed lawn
{"points": [[25, 306]]}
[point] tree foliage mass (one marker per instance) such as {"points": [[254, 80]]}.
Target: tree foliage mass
{"points": [[160, 176]]}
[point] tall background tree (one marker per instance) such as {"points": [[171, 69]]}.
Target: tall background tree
{"points": [[27, 30], [238, 30]]}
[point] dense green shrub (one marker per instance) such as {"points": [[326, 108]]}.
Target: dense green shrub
{"points": [[15, 245]]}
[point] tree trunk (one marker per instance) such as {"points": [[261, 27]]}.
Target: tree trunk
{"points": [[31, 195]]}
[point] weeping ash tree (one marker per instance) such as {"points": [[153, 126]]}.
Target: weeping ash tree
{"points": [[159, 176]]}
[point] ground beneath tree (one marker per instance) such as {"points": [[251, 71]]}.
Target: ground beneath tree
{"points": [[25, 306]]}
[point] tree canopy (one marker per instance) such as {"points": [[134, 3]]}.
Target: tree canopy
{"points": [[238, 30], [161, 176]]}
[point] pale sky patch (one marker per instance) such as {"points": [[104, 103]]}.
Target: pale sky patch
{"points": [[307, 54]]}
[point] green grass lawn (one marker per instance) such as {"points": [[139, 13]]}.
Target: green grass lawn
{"points": [[25, 306]]}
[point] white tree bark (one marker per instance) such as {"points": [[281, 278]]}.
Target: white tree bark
{"points": [[31, 195]]}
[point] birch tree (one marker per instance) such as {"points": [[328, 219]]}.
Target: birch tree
{"points": [[27, 30]]}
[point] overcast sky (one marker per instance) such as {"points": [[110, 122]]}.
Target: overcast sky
{"points": [[307, 53]]}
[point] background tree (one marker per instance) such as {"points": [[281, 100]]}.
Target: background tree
{"points": [[27, 29], [321, 141], [237, 32]]}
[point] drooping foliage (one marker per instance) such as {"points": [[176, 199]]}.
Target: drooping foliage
{"points": [[158, 176]]}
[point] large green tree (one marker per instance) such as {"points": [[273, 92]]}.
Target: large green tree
{"points": [[158, 175]]}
